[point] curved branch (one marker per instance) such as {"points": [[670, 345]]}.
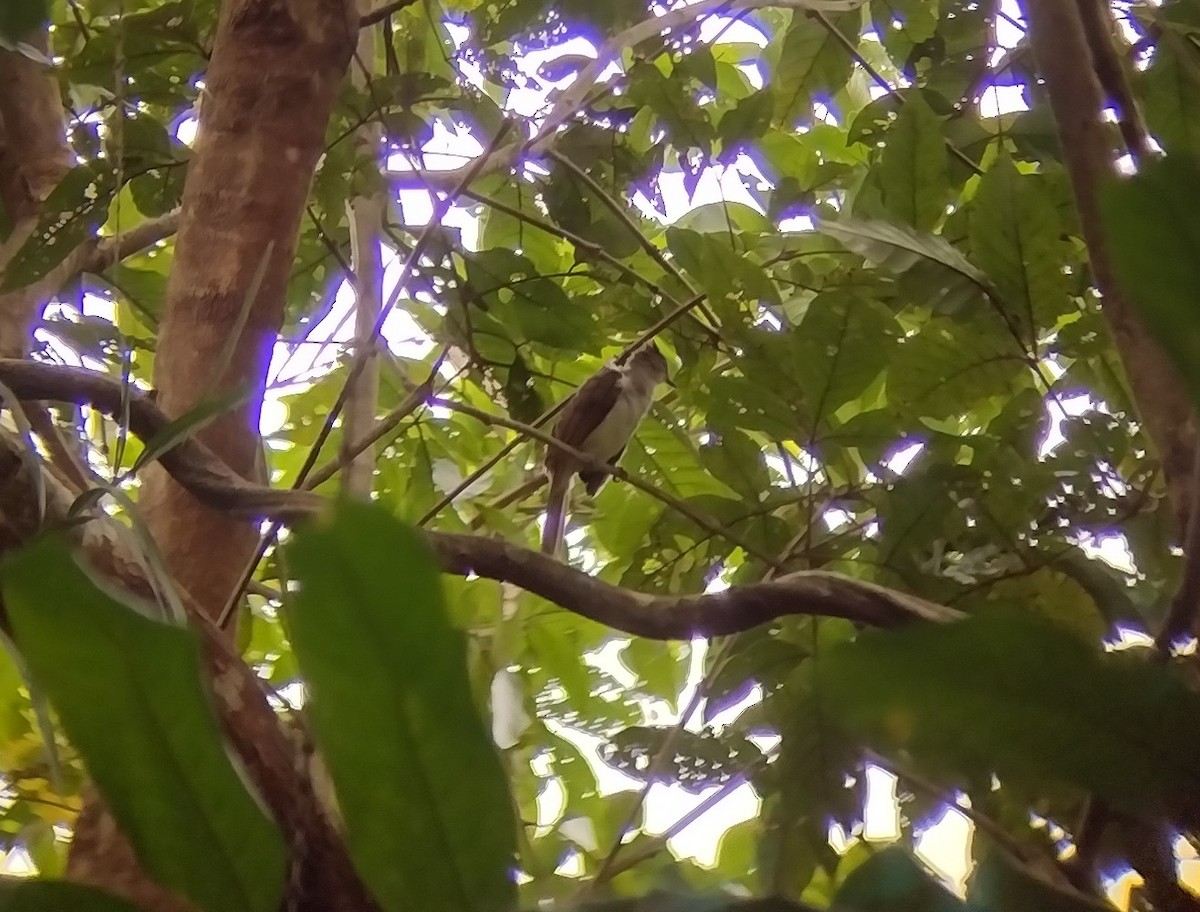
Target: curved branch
{"points": [[196, 468], [189, 461], [809, 592]]}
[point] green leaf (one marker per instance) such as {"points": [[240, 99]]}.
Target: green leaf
{"points": [[1016, 237], [893, 881], [1171, 87], [167, 778], [749, 119], [1014, 693], [188, 425], [738, 461], [899, 250], [998, 885], [428, 816], [23, 894], [912, 168], [1154, 244], [19, 18], [70, 215], [812, 62], [842, 345], [948, 365]]}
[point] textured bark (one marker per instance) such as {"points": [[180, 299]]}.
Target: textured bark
{"points": [[34, 156], [269, 90], [1065, 60]]}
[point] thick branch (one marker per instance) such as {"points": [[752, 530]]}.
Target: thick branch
{"points": [[810, 592], [195, 468]]}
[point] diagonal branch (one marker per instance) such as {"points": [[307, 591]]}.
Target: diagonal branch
{"points": [[383, 12], [571, 101]]}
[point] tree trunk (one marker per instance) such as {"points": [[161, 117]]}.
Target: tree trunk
{"points": [[34, 156], [269, 90]]}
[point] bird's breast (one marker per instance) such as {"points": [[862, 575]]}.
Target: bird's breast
{"points": [[613, 433]]}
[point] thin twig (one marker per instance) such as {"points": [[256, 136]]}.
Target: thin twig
{"points": [[598, 465], [384, 12], [551, 412], [631, 226], [878, 79]]}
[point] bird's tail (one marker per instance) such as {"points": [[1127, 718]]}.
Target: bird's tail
{"points": [[556, 512]]}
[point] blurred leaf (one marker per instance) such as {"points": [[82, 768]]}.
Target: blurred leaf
{"points": [[1155, 250], [1012, 692], [892, 880], [19, 19], [167, 779], [404, 743], [21, 894], [998, 885], [1171, 86]]}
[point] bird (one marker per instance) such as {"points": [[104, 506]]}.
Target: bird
{"points": [[599, 420]]}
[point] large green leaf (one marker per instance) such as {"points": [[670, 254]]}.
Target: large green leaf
{"points": [[1014, 693], [949, 366], [19, 894], [1154, 243], [1016, 236], [129, 694], [999, 885], [893, 881], [1171, 84], [912, 169], [899, 250], [812, 62], [428, 816]]}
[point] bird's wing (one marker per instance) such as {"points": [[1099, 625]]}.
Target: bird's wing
{"points": [[587, 408]]}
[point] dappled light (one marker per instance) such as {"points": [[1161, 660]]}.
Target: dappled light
{"points": [[887, 599]]}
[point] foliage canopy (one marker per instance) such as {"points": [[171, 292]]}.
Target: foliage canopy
{"points": [[884, 332]]}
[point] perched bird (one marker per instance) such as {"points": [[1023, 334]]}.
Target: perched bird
{"points": [[599, 420]]}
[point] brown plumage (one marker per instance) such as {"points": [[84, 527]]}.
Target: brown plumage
{"points": [[599, 420]]}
